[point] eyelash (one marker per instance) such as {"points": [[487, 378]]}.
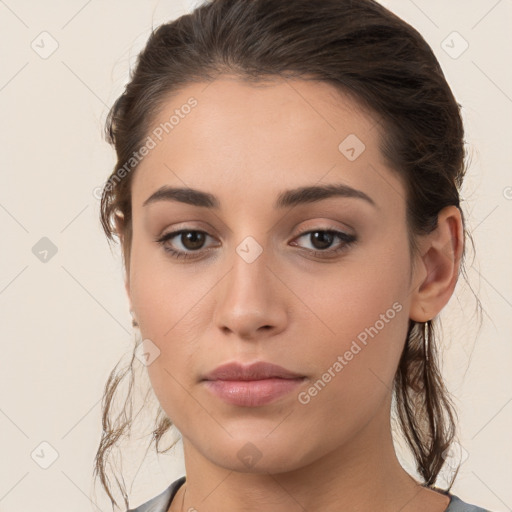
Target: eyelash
{"points": [[348, 240]]}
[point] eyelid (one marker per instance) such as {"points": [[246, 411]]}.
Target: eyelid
{"points": [[178, 231], [186, 228], [347, 240], [323, 228]]}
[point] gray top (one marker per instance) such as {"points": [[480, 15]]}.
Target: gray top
{"points": [[162, 502]]}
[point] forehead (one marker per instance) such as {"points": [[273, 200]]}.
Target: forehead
{"points": [[244, 140]]}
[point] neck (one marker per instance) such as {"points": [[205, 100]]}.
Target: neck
{"points": [[363, 474]]}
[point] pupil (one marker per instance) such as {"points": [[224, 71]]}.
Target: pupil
{"points": [[194, 239], [323, 237]]}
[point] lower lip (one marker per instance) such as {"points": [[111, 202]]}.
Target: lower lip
{"points": [[252, 393]]}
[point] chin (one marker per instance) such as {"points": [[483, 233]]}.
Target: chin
{"points": [[259, 453]]}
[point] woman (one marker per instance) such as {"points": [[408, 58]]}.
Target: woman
{"points": [[287, 200]]}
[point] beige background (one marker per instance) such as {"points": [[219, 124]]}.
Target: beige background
{"points": [[65, 323]]}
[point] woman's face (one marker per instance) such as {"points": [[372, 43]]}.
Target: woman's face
{"points": [[264, 281]]}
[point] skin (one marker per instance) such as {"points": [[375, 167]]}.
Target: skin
{"points": [[246, 144]]}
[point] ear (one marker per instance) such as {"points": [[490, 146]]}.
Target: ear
{"points": [[119, 222], [437, 266], [127, 288]]}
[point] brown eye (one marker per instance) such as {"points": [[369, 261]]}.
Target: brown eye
{"points": [[191, 240], [322, 240]]}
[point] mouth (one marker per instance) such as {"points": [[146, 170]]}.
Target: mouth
{"points": [[254, 371], [251, 385], [252, 393]]}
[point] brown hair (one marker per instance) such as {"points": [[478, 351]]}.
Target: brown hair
{"points": [[364, 51]]}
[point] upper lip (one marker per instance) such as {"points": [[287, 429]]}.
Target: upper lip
{"points": [[255, 371]]}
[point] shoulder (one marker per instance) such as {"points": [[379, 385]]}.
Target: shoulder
{"points": [[161, 502], [457, 505]]}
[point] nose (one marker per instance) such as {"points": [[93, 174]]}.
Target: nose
{"points": [[251, 301]]}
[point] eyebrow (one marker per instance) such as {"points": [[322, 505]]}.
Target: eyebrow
{"points": [[285, 199]]}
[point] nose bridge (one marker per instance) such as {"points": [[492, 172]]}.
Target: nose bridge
{"points": [[249, 298], [248, 280]]}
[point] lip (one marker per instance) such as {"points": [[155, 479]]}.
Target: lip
{"points": [[252, 393], [255, 371], [251, 385]]}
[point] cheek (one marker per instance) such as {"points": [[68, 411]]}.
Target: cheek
{"points": [[161, 291], [171, 305], [359, 320], [170, 388]]}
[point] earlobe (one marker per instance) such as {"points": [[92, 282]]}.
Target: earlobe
{"points": [[120, 227], [119, 223], [127, 288], [438, 266], [132, 312]]}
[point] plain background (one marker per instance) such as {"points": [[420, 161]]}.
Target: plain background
{"points": [[65, 322]]}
